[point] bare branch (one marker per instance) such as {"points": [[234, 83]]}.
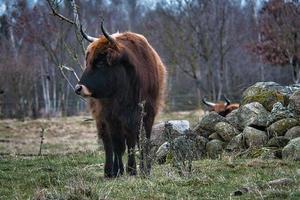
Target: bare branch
{"points": [[55, 13], [62, 67], [71, 70]]}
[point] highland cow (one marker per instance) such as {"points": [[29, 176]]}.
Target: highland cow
{"points": [[222, 108], [121, 71]]}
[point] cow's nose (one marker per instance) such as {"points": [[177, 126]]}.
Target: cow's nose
{"points": [[78, 88]]}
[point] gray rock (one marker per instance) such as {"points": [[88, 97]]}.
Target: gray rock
{"points": [[209, 121], [233, 118], [266, 93], [253, 114], [280, 127], [226, 131], [183, 148], [253, 137], [180, 125], [214, 136], [279, 141], [214, 148], [292, 150], [279, 112], [286, 91], [293, 132], [236, 143], [158, 135], [162, 152], [201, 132], [189, 145], [200, 146], [294, 103]]}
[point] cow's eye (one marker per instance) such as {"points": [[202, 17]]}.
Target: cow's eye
{"points": [[100, 64], [100, 61]]}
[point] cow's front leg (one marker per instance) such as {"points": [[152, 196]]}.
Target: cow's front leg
{"points": [[107, 143], [119, 149], [118, 145]]}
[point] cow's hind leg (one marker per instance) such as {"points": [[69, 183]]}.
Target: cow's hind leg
{"points": [[148, 123]]}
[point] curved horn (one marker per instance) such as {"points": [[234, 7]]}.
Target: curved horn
{"points": [[208, 103], [85, 36], [108, 37], [227, 100]]}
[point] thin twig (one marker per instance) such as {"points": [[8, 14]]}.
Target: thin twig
{"points": [[62, 67], [144, 144], [42, 141], [73, 54], [71, 70], [55, 13]]}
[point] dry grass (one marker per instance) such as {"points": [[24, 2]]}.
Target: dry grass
{"points": [[62, 135]]}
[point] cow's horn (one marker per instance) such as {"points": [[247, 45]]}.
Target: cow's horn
{"points": [[108, 37], [208, 103], [227, 100], [86, 36]]}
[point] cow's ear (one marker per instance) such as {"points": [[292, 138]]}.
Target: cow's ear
{"points": [[113, 56]]}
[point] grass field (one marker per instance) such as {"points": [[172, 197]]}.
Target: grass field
{"points": [[71, 167]]}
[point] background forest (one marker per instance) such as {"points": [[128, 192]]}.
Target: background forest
{"points": [[210, 48]]}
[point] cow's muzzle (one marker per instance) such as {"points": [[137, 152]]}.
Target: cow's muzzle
{"points": [[82, 90]]}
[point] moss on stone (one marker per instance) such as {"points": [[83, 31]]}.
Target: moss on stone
{"points": [[265, 97]]}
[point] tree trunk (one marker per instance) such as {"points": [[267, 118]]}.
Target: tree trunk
{"points": [[296, 72]]}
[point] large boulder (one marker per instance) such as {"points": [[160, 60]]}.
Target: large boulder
{"points": [[226, 131], [292, 150], [201, 132], [294, 103], [280, 127], [293, 133], [209, 121], [253, 114], [186, 145], [279, 141], [280, 112], [178, 127], [266, 93], [253, 137], [236, 143], [233, 118], [214, 136], [189, 146], [214, 148], [200, 146]]}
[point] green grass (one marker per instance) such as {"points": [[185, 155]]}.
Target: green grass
{"points": [[67, 174], [80, 176]]}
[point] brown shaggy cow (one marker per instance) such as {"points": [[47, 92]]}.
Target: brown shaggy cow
{"points": [[222, 108], [122, 70]]}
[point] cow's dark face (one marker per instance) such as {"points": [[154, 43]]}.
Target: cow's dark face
{"points": [[99, 80]]}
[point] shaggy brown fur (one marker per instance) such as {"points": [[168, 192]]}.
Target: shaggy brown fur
{"points": [[135, 73]]}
